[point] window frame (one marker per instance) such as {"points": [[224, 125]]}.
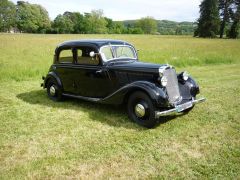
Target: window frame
{"points": [[82, 64], [64, 49], [118, 45]]}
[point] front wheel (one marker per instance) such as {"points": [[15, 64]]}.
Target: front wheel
{"points": [[54, 91], [141, 109]]}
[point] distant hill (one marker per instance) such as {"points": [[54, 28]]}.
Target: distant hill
{"points": [[166, 27]]}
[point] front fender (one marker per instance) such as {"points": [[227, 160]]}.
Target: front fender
{"points": [[52, 75], [156, 94], [193, 86]]}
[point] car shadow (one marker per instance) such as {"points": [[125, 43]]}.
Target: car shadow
{"points": [[108, 114]]}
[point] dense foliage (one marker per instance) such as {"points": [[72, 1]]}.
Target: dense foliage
{"points": [[7, 15], [148, 25], [165, 27], [208, 23], [217, 17], [225, 9], [33, 18], [235, 16]]}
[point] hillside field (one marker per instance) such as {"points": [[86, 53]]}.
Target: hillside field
{"points": [[41, 139]]}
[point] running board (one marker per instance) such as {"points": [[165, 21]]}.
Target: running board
{"points": [[82, 97]]}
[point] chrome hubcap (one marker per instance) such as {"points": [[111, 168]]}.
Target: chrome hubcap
{"points": [[140, 110], [52, 90]]}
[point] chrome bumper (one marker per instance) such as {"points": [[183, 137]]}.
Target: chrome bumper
{"points": [[179, 108]]}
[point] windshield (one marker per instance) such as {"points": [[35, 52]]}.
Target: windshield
{"points": [[111, 52]]}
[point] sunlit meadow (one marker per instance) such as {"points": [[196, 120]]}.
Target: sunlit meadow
{"points": [[41, 139]]}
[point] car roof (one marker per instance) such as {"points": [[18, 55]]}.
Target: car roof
{"points": [[96, 42]]}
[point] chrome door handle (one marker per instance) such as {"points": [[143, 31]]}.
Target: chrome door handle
{"points": [[99, 71]]}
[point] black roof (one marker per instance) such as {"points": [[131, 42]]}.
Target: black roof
{"points": [[96, 42]]}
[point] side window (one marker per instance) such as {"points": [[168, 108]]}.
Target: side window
{"points": [[83, 57], [66, 56]]}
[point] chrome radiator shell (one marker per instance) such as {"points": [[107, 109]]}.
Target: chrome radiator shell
{"points": [[172, 87]]}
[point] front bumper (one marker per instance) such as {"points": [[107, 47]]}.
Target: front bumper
{"points": [[179, 108]]}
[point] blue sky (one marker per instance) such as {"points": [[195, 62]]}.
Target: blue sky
{"points": [[177, 10]]}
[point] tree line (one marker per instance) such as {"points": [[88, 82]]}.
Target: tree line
{"points": [[219, 17], [166, 27], [33, 18]]}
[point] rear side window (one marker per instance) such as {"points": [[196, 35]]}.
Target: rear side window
{"points": [[66, 56]]}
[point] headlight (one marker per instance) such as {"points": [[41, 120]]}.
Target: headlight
{"points": [[164, 81], [185, 76]]}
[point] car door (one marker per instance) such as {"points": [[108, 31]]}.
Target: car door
{"points": [[91, 78], [64, 69]]}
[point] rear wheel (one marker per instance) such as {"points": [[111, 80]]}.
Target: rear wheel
{"points": [[141, 109], [53, 90]]}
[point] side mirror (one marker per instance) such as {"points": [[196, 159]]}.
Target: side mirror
{"points": [[92, 54]]}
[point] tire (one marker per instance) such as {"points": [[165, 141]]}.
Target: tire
{"points": [[136, 103], [53, 90]]}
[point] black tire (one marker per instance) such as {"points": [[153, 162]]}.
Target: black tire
{"points": [[141, 99], [57, 96]]}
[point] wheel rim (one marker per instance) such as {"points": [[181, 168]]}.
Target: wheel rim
{"points": [[140, 110], [52, 90]]}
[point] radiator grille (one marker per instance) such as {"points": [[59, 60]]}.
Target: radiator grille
{"points": [[172, 86]]}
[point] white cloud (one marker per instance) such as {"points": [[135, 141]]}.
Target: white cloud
{"points": [[178, 10]]}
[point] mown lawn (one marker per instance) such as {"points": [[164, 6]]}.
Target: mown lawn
{"points": [[41, 139]]}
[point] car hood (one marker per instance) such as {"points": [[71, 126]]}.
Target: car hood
{"points": [[136, 66]]}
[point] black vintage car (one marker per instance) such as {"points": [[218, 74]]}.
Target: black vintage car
{"points": [[109, 72]]}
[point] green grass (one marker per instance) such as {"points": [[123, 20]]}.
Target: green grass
{"points": [[25, 57], [41, 139]]}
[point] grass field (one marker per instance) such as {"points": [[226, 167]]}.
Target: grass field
{"points": [[41, 139]]}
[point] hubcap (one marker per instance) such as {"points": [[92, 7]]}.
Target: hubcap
{"points": [[140, 110], [52, 90]]}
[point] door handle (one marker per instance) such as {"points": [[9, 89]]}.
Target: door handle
{"points": [[99, 71]]}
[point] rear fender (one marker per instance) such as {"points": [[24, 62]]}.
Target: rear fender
{"points": [[52, 75]]}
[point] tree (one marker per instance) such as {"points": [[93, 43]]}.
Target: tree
{"points": [[95, 23], [110, 25], [148, 25], [32, 18], [69, 22], [63, 25], [235, 14], [119, 28], [224, 8], [77, 20], [208, 23], [7, 15], [135, 30]]}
